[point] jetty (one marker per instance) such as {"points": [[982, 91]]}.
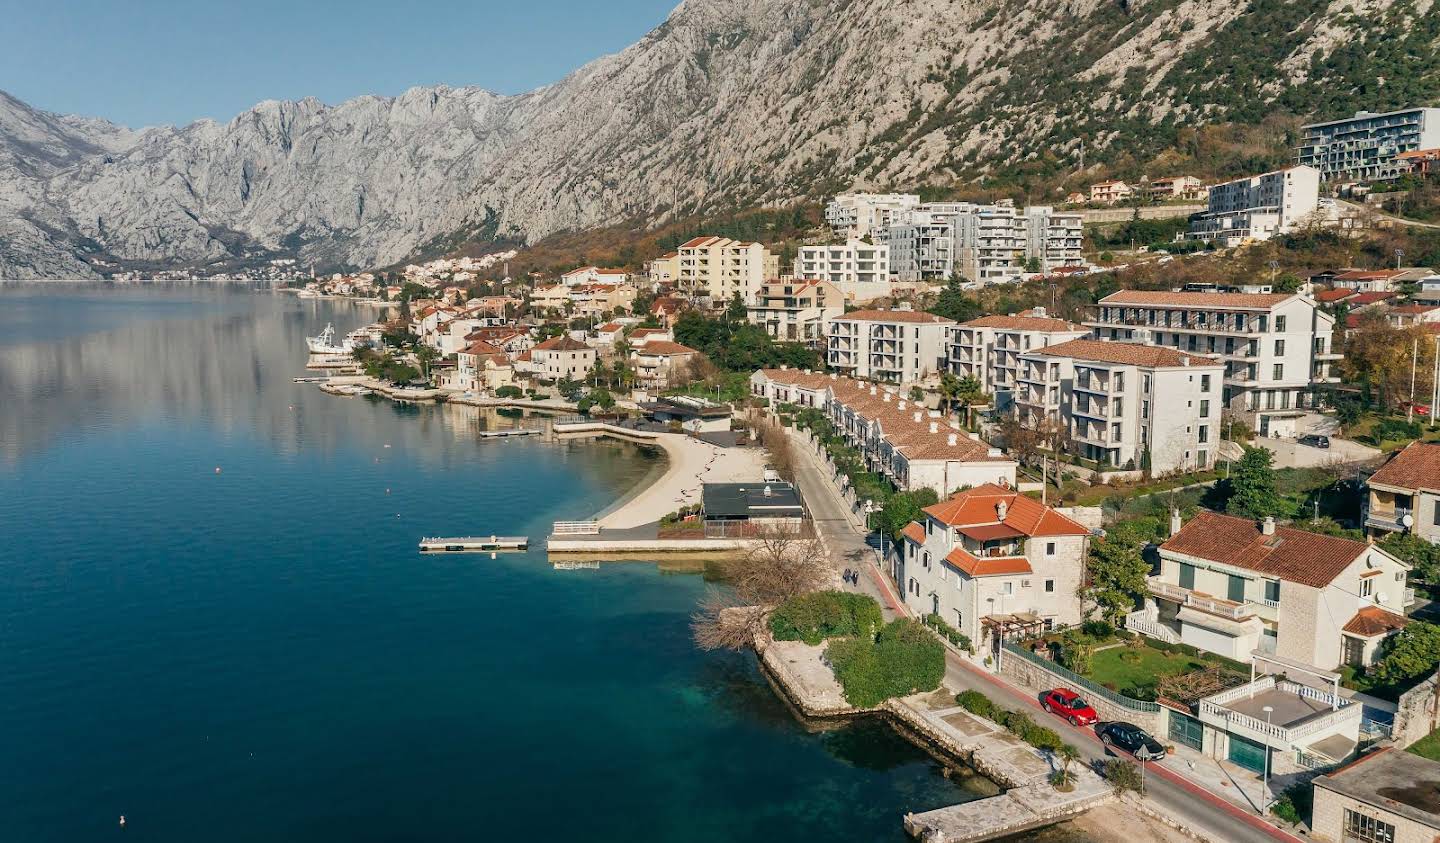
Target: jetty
{"points": [[511, 431], [472, 544]]}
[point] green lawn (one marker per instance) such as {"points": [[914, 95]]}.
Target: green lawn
{"points": [[1428, 746], [1130, 669]]}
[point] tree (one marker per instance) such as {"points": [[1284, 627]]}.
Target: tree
{"points": [[1412, 653], [1068, 755], [1252, 487], [776, 565], [425, 355], [1422, 556], [954, 303], [601, 398], [903, 507], [917, 394], [1117, 570], [735, 311], [1032, 264], [968, 393]]}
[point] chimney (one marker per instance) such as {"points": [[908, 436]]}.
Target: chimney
{"points": [[1000, 509], [918, 416], [952, 440], [934, 428], [886, 399], [1037, 311], [1267, 527], [784, 366], [1175, 521], [901, 405], [872, 390], [767, 493]]}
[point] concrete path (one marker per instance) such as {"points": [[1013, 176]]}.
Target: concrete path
{"points": [[1289, 453]]}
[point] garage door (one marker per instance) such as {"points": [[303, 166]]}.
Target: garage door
{"points": [[1247, 754]]}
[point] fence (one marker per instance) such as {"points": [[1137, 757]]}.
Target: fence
{"points": [[1093, 688], [1147, 623], [576, 528]]}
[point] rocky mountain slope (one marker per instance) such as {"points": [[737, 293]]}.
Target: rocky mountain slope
{"points": [[727, 103]]}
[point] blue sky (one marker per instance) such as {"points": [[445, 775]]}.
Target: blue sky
{"points": [[145, 62]]}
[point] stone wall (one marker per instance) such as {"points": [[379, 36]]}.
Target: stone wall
{"points": [[1033, 676], [1416, 715]]}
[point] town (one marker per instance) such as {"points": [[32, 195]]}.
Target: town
{"points": [[1203, 513]]}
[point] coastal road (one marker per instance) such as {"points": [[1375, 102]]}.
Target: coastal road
{"points": [[1168, 792]]}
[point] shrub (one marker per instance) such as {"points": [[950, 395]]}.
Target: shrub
{"points": [[977, 703], [1395, 429], [1294, 804], [508, 391], [819, 615], [1098, 629], [1123, 775], [903, 659], [948, 632]]}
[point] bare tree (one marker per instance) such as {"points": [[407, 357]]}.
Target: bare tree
{"points": [[777, 564], [776, 442]]}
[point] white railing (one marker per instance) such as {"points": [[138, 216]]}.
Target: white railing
{"points": [[576, 528], [1260, 685], [1232, 719], [1186, 597], [1150, 627]]}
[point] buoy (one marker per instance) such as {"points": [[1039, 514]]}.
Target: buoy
{"points": [[122, 820], [387, 491], [217, 469]]}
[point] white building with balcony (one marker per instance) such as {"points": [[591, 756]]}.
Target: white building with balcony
{"points": [[860, 270], [1053, 238], [988, 349], [1365, 147], [990, 244], [797, 311], [1235, 586], [988, 554], [1126, 405], [1274, 346], [1297, 725], [856, 215], [896, 346], [720, 268], [1258, 207]]}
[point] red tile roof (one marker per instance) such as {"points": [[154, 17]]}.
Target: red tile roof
{"points": [[1165, 298], [1027, 516], [1371, 298], [1368, 275], [1372, 621], [481, 347], [907, 316], [1024, 321], [1416, 467], [987, 566], [914, 532], [1415, 308], [1295, 555], [562, 343], [698, 241], [1125, 353], [1336, 294], [666, 348]]}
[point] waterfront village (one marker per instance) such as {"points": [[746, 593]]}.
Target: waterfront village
{"points": [[1098, 528]]}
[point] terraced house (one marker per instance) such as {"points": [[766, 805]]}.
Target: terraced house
{"points": [[910, 445], [988, 349], [1274, 346], [988, 556]]}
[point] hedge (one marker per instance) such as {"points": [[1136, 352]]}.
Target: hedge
{"points": [[819, 615], [903, 659], [1016, 722], [948, 632]]}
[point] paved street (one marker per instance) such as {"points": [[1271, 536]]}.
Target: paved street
{"points": [[1169, 792]]}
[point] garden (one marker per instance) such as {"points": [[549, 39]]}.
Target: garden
{"points": [[1134, 666]]}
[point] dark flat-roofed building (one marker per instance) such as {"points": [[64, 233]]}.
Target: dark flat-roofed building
{"points": [[1387, 796], [758, 503]]}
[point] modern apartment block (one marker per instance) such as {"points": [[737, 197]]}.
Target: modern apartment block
{"points": [[856, 215], [860, 270], [1274, 346], [922, 246], [1366, 146], [797, 311], [1054, 238], [985, 243], [719, 267], [897, 346], [1126, 405], [989, 554], [988, 349], [1258, 207]]}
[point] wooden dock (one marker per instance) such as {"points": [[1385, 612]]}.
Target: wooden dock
{"points": [[473, 544], [513, 431]]}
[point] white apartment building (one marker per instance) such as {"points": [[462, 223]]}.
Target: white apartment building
{"points": [[985, 243], [922, 246], [719, 267], [1054, 238], [561, 357], [796, 311], [897, 346], [1126, 405], [1258, 207], [591, 275], [856, 215], [988, 554], [1177, 187], [1364, 147], [860, 270], [1274, 345], [1110, 192], [988, 349]]}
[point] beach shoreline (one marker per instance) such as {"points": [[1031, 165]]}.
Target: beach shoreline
{"points": [[690, 463]]}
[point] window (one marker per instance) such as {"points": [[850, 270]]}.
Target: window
{"points": [[1024, 583], [1272, 591], [1279, 348], [1279, 371], [1235, 589], [1204, 383], [1049, 548], [1204, 434], [1205, 408], [1367, 586], [1145, 414], [1119, 381], [1049, 586], [1279, 325], [1363, 829], [1145, 387], [1187, 575], [1007, 588], [1115, 432]]}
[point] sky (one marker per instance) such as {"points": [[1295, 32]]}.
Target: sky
{"points": [[148, 62]]}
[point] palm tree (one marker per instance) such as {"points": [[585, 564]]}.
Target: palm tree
{"points": [[969, 392], [1068, 755], [949, 390]]}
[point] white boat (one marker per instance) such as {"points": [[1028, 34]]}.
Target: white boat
{"points": [[325, 343]]}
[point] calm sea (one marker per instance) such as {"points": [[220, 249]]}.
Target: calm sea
{"points": [[213, 619]]}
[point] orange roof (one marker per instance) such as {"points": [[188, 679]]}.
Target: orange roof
{"points": [[980, 506], [1368, 275], [665, 347], [910, 316], [1165, 298], [562, 343], [1416, 467], [481, 347], [698, 241], [1371, 298], [609, 327], [1125, 353], [1372, 621], [987, 566], [1024, 321], [1334, 295], [1296, 555], [914, 532], [1415, 308]]}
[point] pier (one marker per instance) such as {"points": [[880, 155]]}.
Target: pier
{"points": [[471, 544], [511, 431]]}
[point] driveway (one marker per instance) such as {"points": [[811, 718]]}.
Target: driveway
{"points": [[1291, 454]]}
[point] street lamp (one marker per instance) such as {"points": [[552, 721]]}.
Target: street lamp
{"points": [[1265, 794]]}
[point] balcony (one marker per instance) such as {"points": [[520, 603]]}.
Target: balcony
{"points": [[1392, 519], [1298, 713], [1196, 600]]}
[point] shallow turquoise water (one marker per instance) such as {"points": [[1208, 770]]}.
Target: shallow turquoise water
{"points": [[260, 653]]}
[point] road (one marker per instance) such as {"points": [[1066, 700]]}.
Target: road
{"points": [[1169, 793]]}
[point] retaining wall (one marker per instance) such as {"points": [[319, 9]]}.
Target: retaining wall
{"points": [[1031, 675], [1416, 715]]}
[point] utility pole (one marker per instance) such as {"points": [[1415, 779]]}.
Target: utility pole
{"points": [[1414, 360], [1435, 382], [1399, 253]]}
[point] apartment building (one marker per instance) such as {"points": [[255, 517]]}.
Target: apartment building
{"points": [[988, 349], [1126, 405], [589, 275], [1177, 187], [897, 346], [985, 243], [1258, 207], [856, 215], [860, 270], [796, 311], [1404, 495], [987, 555], [662, 363], [1110, 192], [561, 357], [911, 446], [1053, 239], [1234, 586], [1366, 147], [664, 270], [922, 245], [1274, 345], [720, 268]]}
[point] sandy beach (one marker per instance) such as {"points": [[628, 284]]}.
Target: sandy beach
{"points": [[690, 463]]}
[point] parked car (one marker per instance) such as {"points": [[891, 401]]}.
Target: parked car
{"points": [[1132, 739], [1315, 440], [1069, 705]]}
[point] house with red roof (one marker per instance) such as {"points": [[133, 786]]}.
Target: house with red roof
{"points": [[1408, 315], [1335, 296], [990, 558], [1404, 495], [479, 365], [562, 357], [661, 363]]}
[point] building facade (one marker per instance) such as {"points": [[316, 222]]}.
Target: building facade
{"points": [[1126, 405], [1258, 207], [988, 349], [1274, 345], [856, 215], [986, 243], [562, 357], [1404, 495], [896, 346], [1366, 147], [860, 270], [1387, 796], [797, 311], [721, 268]]}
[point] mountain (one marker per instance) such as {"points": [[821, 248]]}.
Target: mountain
{"points": [[728, 103]]}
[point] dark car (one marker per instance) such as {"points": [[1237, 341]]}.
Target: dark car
{"points": [[1132, 739], [1069, 705], [1315, 440]]}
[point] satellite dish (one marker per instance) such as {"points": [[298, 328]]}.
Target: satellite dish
{"points": [[1407, 520], [1379, 597]]}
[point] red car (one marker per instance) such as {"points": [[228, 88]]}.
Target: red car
{"points": [[1069, 705]]}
